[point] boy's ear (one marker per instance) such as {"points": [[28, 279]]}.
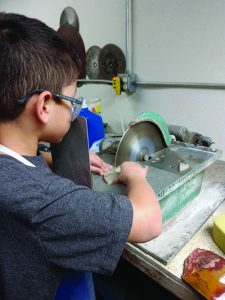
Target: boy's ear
{"points": [[43, 107]]}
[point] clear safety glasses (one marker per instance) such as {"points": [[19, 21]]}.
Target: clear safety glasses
{"points": [[75, 103]]}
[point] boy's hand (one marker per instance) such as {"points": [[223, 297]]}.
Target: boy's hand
{"points": [[131, 171], [126, 173], [97, 165]]}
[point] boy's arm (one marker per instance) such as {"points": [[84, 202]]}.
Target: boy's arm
{"points": [[147, 216]]}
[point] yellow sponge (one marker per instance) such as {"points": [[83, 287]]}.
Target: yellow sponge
{"points": [[219, 231]]}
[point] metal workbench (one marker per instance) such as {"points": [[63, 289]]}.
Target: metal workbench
{"points": [[169, 274]]}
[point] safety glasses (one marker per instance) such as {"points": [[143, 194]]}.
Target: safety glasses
{"points": [[75, 103]]}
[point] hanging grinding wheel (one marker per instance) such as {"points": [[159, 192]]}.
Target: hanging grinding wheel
{"points": [[69, 17], [92, 62], [111, 62], [70, 33]]}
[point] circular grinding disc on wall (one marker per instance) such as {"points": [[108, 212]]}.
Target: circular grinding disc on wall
{"points": [[92, 62], [69, 17], [111, 61], [70, 33]]}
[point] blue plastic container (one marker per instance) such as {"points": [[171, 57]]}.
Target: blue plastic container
{"points": [[76, 286], [95, 126]]}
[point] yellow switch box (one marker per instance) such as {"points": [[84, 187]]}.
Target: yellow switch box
{"points": [[116, 83], [219, 231]]}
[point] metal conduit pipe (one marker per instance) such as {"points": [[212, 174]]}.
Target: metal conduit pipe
{"points": [[192, 85], [99, 81], [129, 32]]}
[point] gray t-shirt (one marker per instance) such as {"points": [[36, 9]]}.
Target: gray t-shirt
{"points": [[48, 224]]}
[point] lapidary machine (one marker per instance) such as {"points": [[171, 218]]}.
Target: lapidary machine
{"points": [[176, 168]]}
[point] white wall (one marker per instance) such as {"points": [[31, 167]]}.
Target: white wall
{"points": [[173, 41]]}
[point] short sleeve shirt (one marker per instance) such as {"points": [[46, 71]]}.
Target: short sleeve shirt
{"points": [[48, 224]]}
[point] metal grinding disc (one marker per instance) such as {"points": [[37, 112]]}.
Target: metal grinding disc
{"points": [[71, 34], [111, 61], [92, 62], [139, 142], [69, 17]]}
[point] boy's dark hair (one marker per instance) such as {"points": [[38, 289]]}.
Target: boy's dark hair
{"points": [[32, 55]]}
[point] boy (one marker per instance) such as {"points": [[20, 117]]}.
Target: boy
{"points": [[47, 223]]}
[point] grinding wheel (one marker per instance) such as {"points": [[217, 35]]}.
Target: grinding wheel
{"points": [[111, 62], [70, 33], [139, 142], [92, 62], [69, 17]]}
